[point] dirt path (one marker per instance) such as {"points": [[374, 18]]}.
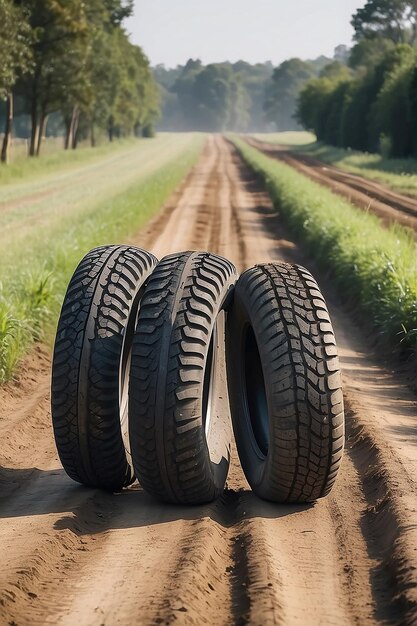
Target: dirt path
{"points": [[77, 556], [390, 206]]}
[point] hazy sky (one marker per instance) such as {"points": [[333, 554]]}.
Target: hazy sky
{"points": [[171, 31]]}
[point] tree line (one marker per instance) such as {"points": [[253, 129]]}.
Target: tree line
{"points": [[214, 97], [370, 104], [234, 96], [74, 59], [68, 67]]}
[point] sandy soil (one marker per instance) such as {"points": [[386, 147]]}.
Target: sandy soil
{"points": [[76, 556], [390, 206]]}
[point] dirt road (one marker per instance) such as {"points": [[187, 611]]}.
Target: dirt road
{"points": [[390, 206], [75, 556]]}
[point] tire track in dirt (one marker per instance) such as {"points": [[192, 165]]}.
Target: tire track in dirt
{"points": [[80, 556], [390, 206]]}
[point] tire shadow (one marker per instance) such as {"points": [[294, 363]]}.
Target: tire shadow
{"points": [[134, 508], [35, 492]]}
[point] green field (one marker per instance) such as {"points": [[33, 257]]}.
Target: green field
{"points": [[288, 138], [372, 266], [398, 174], [54, 159], [48, 222]]}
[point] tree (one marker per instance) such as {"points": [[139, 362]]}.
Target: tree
{"points": [[212, 95], [367, 53], [392, 112], [15, 59], [391, 19], [321, 102], [118, 10], [283, 91], [412, 95], [211, 98], [184, 90], [136, 98], [60, 43], [245, 86], [341, 53], [357, 111], [85, 71], [310, 104], [253, 80], [336, 71]]}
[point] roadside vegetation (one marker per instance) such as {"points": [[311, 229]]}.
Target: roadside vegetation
{"points": [[240, 97], [370, 103], [399, 174], [288, 138], [38, 260], [372, 266], [24, 169]]}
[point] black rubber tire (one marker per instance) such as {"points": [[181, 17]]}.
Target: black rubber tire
{"points": [[284, 384], [178, 380], [91, 364]]}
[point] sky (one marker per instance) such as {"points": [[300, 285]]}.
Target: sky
{"points": [[172, 31]]}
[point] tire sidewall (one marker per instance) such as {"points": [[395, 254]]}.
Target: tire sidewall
{"points": [[253, 461]]}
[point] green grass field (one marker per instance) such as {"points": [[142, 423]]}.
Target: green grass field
{"points": [[398, 174], [372, 266], [54, 159], [288, 138], [49, 222]]}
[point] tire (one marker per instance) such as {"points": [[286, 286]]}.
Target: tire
{"points": [[91, 365], [284, 384], [180, 427]]}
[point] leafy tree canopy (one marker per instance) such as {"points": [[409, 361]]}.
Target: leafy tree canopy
{"points": [[16, 39], [391, 19], [283, 90]]}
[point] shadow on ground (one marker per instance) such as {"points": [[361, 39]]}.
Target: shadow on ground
{"points": [[33, 492]]}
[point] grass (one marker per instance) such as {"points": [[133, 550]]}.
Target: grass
{"points": [[398, 174], [373, 266], [56, 160], [35, 274], [287, 138]]}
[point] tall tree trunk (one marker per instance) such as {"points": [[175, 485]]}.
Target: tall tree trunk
{"points": [[41, 132], [72, 126], [4, 158], [34, 134], [67, 133], [75, 127], [110, 128], [92, 135]]}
